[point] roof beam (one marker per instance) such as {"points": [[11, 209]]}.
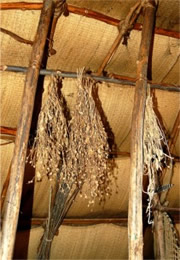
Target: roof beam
{"points": [[73, 221], [85, 12], [8, 130]]}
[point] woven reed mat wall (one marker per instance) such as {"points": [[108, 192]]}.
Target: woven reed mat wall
{"points": [[89, 242], [6, 151], [85, 42]]}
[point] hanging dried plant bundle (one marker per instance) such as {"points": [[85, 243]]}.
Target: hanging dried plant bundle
{"points": [[87, 156], [52, 134], [154, 155]]}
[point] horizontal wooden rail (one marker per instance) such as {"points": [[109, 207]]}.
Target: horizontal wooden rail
{"points": [[8, 130], [27, 223], [85, 12], [116, 79]]}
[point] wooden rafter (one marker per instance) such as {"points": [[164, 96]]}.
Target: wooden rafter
{"points": [[8, 130], [85, 12], [19, 158], [135, 227]]}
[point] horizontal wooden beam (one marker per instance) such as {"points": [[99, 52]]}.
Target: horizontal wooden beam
{"points": [[85, 12], [116, 79], [28, 223], [8, 130], [84, 221]]}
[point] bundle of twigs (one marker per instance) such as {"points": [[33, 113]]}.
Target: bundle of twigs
{"points": [[155, 144]]}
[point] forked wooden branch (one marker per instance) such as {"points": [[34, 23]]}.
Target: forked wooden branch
{"points": [[19, 158], [124, 28], [135, 234]]}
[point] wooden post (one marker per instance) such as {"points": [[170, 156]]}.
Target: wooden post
{"points": [[135, 234], [19, 158]]}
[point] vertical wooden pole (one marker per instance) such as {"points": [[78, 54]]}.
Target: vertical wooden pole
{"points": [[18, 163], [135, 232]]}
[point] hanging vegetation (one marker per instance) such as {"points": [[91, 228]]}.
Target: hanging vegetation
{"points": [[51, 139], [154, 146], [73, 153], [88, 151]]}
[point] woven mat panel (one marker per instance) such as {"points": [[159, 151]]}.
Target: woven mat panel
{"points": [[117, 204], [167, 13], [165, 53], [24, 24], [89, 242], [103, 241], [6, 152], [83, 42], [11, 91], [166, 106]]}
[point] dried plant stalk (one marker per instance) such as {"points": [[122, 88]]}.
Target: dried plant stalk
{"points": [[154, 155], [52, 134], [87, 156]]}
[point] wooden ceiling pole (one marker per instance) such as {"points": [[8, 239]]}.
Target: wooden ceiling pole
{"points": [[18, 163], [135, 225]]}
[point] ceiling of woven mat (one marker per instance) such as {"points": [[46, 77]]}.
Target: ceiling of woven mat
{"points": [[90, 242], [78, 44], [84, 42]]}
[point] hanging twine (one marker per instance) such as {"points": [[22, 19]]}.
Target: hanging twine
{"points": [[154, 155]]}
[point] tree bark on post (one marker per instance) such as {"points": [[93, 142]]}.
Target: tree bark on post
{"points": [[19, 158], [135, 225]]}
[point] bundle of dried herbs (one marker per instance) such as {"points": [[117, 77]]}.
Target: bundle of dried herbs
{"points": [[154, 146], [51, 140], [72, 152], [88, 150]]}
